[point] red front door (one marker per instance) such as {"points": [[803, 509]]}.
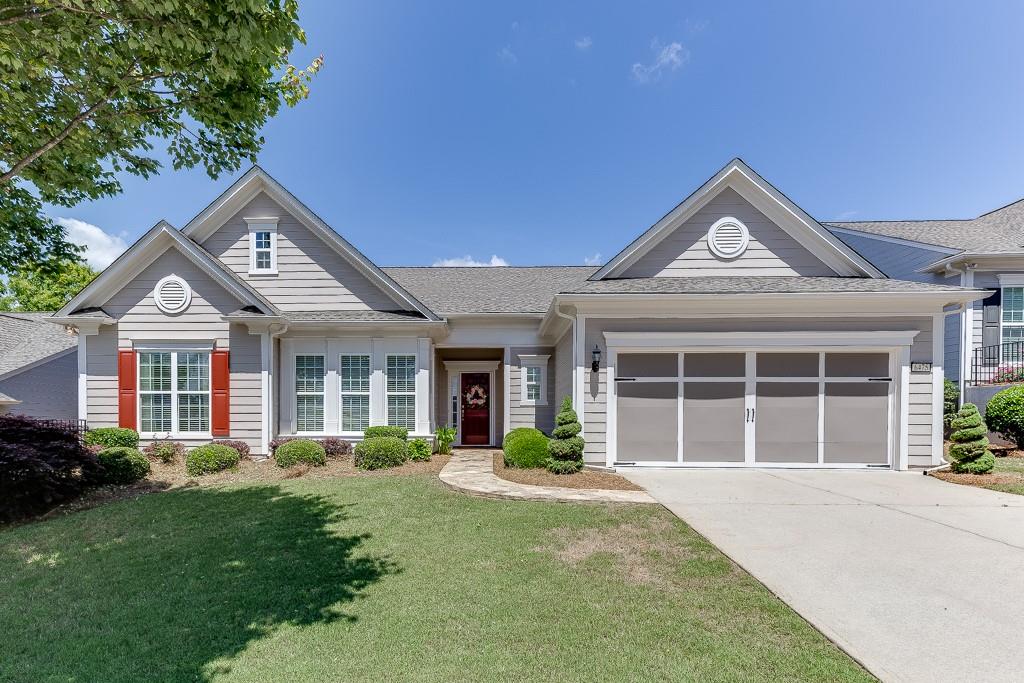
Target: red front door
{"points": [[476, 408]]}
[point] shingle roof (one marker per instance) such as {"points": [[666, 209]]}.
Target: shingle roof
{"points": [[26, 338], [747, 284], [997, 232], [501, 289]]}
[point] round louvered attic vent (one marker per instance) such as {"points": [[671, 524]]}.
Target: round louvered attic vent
{"points": [[172, 294], [728, 238]]}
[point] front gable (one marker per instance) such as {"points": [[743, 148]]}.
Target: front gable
{"points": [[762, 233], [769, 250]]}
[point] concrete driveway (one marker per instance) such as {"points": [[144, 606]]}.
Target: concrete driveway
{"points": [[918, 579]]}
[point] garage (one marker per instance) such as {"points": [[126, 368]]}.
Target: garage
{"points": [[768, 407]]}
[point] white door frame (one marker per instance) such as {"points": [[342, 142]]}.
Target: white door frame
{"points": [[897, 399], [455, 370]]}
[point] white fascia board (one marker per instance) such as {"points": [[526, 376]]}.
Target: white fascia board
{"points": [[987, 261], [256, 180], [758, 192], [144, 252], [746, 340]]}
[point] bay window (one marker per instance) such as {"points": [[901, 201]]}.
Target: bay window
{"points": [[401, 390], [174, 392]]}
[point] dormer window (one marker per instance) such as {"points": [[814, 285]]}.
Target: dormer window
{"points": [[262, 246]]}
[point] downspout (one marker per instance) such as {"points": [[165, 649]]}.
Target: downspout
{"points": [[274, 381], [572, 321]]}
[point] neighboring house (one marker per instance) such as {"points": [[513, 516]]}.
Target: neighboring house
{"points": [[737, 331], [38, 367], [984, 345]]}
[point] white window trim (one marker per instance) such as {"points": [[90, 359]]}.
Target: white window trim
{"points": [[1002, 308], [174, 351], [533, 361], [262, 225], [296, 393], [388, 394], [342, 393]]}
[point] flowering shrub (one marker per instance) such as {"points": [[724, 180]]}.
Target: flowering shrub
{"points": [[240, 446], [163, 450], [1007, 374]]}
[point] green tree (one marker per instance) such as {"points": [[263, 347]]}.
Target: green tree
{"points": [[34, 288], [88, 87]]}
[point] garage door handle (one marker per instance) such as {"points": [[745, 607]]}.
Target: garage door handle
{"points": [[750, 414], [879, 379], [625, 379]]}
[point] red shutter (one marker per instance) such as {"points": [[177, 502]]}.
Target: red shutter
{"points": [[126, 389], [220, 380]]}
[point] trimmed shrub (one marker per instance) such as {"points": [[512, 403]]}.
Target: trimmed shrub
{"points": [[40, 466], [240, 446], [969, 451], [213, 457], [335, 447], [300, 451], [1005, 414], [566, 447], [950, 399], [525, 447], [122, 465], [386, 430], [165, 451], [419, 450], [112, 436], [444, 437], [381, 452]]}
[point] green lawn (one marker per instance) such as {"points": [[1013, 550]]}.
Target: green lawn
{"points": [[386, 579], [1009, 467]]}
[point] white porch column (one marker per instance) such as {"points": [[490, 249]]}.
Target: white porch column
{"points": [[424, 352], [938, 378]]}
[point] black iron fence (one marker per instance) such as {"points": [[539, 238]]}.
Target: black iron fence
{"points": [[997, 364], [79, 427]]}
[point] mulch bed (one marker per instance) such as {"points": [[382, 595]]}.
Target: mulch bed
{"points": [[584, 479]]}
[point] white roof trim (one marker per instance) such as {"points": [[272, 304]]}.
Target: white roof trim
{"points": [[767, 199], [256, 180], [751, 339], [147, 249]]}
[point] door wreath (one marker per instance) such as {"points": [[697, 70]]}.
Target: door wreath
{"points": [[476, 396]]}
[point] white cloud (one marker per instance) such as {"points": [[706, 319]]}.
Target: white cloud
{"points": [[506, 55], [468, 261], [594, 260], [583, 43], [101, 248], [669, 58]]}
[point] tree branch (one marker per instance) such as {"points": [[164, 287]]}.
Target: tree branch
{"points": [[52, 142]]}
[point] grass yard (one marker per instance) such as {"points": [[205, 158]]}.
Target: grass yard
{"points": [[1007, 476], [384, 579]]}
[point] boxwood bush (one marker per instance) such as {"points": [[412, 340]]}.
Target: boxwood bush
{"points": [[213, 457], [298, 451], [566, 447], [122, 465], [386, 430], [381, 452], [1005, 414], [40, 466], [969, 451], [419, 450], [525, 447], [112, 436], [165, 451]]}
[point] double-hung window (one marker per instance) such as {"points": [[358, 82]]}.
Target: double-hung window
{"points": [[1013, 314], [174, 392], [309, 393], [533, 380], [401, 390], [262, 246], [354, 383]]}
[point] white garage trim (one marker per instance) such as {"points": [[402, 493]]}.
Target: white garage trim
{"points": [[895, 344]]}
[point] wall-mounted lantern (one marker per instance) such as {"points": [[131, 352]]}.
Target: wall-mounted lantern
{"points": [[595, 359]]}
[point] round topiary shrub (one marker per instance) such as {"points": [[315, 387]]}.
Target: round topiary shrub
{"points": [[112, 436], [419, 450], [298, 451], [122, 465], [969, 451], [212, 457], [1005, 414], [381, 452], [566, 446], [165, 451], [41, 465], [525, 447], [386, 430]]}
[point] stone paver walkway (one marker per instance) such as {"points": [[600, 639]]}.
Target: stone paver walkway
{"points": [[472, 471]]}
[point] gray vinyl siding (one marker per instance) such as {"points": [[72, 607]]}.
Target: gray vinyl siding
{"points": [[563, 366], [540, 416], [920, 408], [245, 362], [771, 251], [48, 390], [101, 377], [311, 275], [902, 262]]}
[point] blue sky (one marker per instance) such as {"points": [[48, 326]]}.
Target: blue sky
{"points": [[545, 134]]}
